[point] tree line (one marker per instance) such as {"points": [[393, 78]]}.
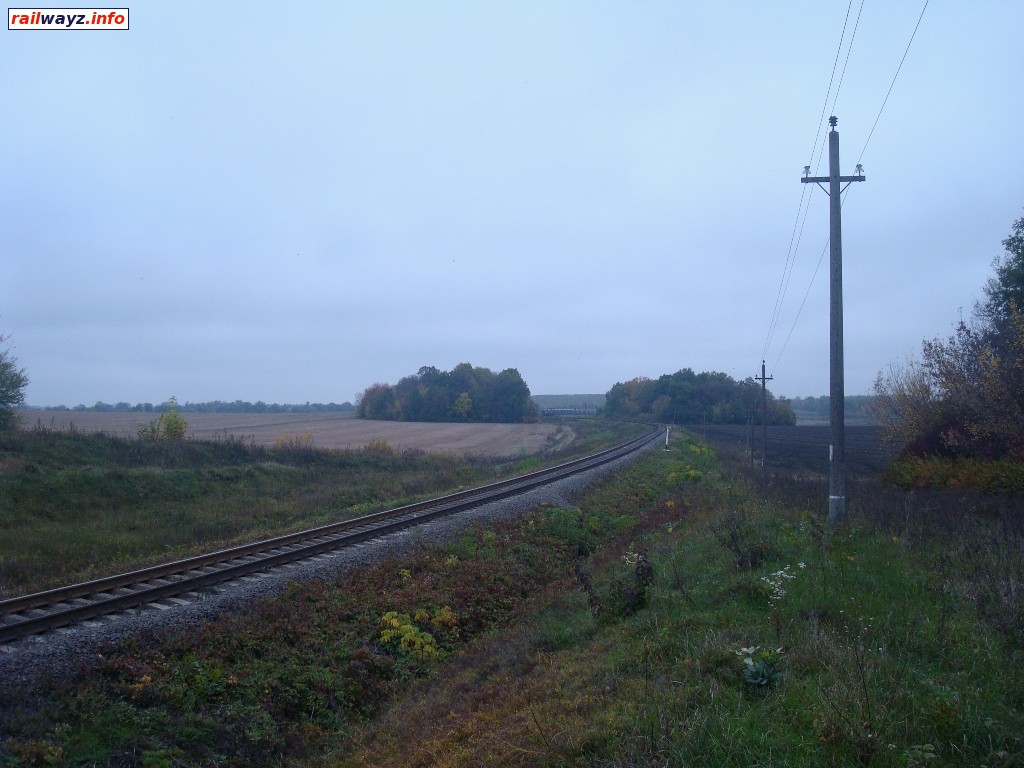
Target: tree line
{"points": [[685, 397], [964, 397], [466, 393]]}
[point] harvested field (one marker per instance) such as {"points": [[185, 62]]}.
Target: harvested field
{"points": [[329, 430]]}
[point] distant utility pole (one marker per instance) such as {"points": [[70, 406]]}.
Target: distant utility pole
{"points": [[764, 412], [836, 451], [750, 436]]}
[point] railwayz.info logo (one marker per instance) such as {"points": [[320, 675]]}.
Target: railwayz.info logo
{"points": [[67, 18]]}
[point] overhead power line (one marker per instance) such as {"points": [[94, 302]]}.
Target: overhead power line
{"points": [[886, 99], [849, 48], [797, 234], [775, 316]]}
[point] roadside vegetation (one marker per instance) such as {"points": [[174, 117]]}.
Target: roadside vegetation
{"points": [[684, 612], [962, 403], [75, 506]]}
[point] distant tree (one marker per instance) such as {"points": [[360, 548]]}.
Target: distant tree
{"points": [[462, 407], [685, 397], [510, 398], [966, 395], [375, 402], [661, 407], [1004, 293], [466, 393], [13, 381]]}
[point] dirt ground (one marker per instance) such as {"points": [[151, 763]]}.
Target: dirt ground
{"points": [[329, 430]]}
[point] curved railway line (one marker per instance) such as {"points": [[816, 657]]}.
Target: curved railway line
{"points": [[65, 606]]}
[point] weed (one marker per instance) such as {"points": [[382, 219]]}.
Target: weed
{"points": [[619, 600], [737, 533], [379, 448], [920, 754], [760, 666], [400, 629], [571, 525], [776, 583], [294, 442]]}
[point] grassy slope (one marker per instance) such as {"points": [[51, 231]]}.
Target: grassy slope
{"points": [[894, 643], [75, 506], [874, 636]]}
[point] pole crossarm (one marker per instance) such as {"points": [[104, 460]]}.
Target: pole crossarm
{"points": [[819, 180], [827, 179]]}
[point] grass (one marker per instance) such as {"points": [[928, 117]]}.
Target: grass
{"points": [[76, 506], [884, 654], [757, 638]]}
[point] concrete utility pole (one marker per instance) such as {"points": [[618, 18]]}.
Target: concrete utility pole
{"points": [[837, 397], [764, 412]]}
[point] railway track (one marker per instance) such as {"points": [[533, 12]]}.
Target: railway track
{"points": [[77, 603]]}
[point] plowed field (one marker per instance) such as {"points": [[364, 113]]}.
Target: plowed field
{"points": [[806, 447], [328, 430]]}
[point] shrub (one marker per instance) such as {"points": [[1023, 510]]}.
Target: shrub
{"points": [[13, 381], [569, 525], [171, 425], [379, 448], [737, 533], [619, 600]]}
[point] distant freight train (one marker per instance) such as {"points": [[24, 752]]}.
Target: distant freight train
{"points": [[569, 412]]}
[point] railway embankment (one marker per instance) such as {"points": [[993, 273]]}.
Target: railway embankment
{"points": [[686, 609]]}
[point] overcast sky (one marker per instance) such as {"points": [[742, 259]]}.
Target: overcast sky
{"points": [[289, 202]]}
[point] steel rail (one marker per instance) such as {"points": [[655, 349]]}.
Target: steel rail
{"points": [[64, 606]]}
